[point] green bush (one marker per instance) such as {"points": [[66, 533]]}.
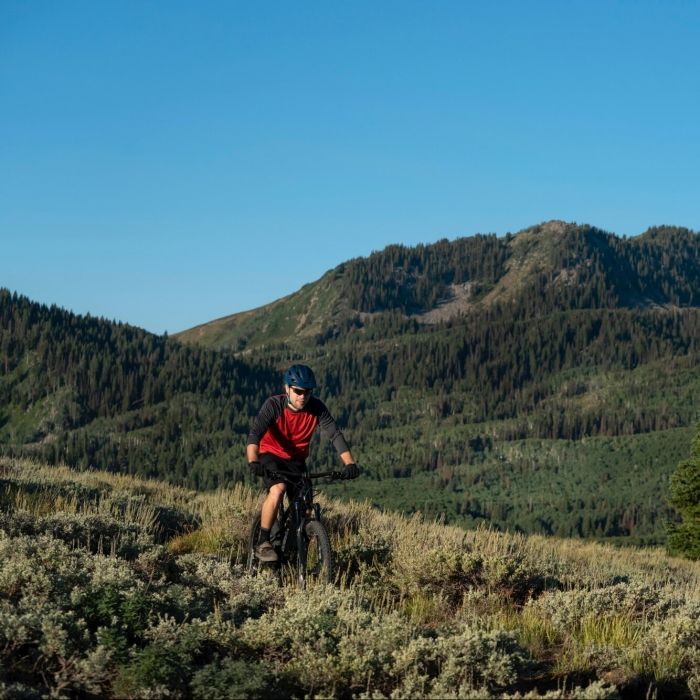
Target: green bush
{"points": [[231, 679], [684, 537], [155, 670]]}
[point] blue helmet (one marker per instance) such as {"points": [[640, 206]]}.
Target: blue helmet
{"points": [[301, 376]]}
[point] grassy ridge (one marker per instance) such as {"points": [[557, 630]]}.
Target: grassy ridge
{"points": [[302, 313], [116, 587]]}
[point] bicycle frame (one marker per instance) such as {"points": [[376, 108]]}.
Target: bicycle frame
{"points": [[300, 515], [299, 509]]}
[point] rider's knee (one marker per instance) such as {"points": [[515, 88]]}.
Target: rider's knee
{"points": [[277, 490]]}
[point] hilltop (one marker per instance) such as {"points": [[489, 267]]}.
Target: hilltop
{"points": [[112, 586], [448, 279]]}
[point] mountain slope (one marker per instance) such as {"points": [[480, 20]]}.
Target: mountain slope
{"points": [[452, 363], [554, 392], [88, 392], [303, 313], [558, 265]]}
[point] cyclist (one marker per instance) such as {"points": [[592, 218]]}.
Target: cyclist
{"points": [[279, 441]]}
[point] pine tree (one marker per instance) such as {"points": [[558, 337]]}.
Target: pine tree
{"points": [[684, 537]]}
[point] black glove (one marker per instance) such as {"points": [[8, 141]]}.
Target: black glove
{"points": [[352, 471], [256, 468]]}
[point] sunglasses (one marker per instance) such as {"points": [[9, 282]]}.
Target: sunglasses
{"points": [[300, 392]]}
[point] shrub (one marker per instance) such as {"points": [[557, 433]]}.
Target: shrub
{"points": [[422, 610], [232, 679], [156, 670], [684, 537], [636, 600]]}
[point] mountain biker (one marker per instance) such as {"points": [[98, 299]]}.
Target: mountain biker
{"points": [[279, 441]]}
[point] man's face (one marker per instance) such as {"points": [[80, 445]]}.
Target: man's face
{"points": [[297, 397]]}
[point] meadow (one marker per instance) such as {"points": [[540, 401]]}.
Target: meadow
{"points": [[112, 586]]}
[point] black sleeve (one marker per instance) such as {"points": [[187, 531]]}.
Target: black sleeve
{"points": [[271, 410], [329, 428]]}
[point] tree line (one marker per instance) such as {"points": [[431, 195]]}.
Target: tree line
{"points": [[580, 267]]}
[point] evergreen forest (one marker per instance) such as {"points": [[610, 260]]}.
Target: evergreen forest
{"points": [[541, 382]]}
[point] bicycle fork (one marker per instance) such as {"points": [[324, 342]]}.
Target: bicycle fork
{"points": [[302, 517]]}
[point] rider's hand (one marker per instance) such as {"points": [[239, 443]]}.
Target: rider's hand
{"points": [[352, 471], [256, 468]]}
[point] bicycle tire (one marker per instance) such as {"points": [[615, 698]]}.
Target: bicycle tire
{"points": [[316, 561], [253, 563]]}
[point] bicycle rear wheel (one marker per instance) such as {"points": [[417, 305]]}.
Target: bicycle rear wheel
{"points": [[316, 561]]}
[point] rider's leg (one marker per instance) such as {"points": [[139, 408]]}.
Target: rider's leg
{"points": [[276, 489], [271, 505], [264, 549]]}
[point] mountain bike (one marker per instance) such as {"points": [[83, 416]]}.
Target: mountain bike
{"points": [[298, 535]]}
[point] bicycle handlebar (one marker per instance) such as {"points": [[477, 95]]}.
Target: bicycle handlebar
{"points": [[299, 475]]}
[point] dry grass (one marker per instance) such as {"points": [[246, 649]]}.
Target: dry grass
{"points": [[572, 608]]}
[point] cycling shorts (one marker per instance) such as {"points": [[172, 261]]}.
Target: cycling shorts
{"points": [[272, 463]]}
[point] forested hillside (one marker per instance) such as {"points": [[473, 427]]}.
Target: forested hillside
{"points": [[89, 392], [547, 268], [544, 381]]}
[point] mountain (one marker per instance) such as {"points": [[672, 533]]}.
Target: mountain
{"points": [[562, 265], [542, 382]]}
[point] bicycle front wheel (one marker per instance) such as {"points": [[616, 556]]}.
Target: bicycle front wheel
{"points": [[253, 563], [316, 561]]}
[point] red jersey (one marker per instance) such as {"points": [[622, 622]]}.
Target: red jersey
{"points": [[287, 434]]}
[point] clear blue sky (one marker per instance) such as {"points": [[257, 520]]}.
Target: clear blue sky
{"points": [[166, 163]]}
